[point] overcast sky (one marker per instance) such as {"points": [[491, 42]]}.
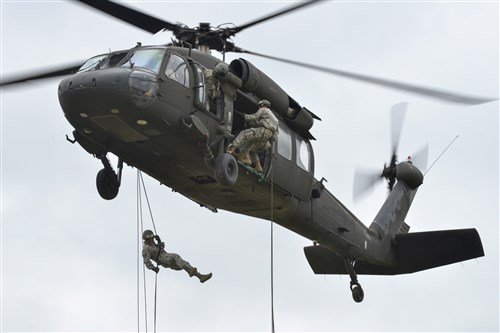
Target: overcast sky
{"points": [[69, 258]]}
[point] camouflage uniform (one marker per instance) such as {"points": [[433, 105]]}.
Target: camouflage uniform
{"points": [[263, 131], [157, 253], [212, 88]]}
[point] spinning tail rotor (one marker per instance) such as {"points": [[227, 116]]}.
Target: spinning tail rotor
{"points": [[365, 180]]}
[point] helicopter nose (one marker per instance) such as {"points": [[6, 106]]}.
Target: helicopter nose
{"points": [[93, 92], [110, 102], [108, 88]]}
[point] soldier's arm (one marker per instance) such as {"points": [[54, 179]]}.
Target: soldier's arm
{"points": [[251, 119], [147, 259], [160, 243]]}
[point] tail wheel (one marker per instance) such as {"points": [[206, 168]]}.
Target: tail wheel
{"points": [[357, 292]]}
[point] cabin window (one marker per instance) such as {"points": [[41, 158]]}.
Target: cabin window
{"points": [[92, 63], [302, 153], [147, 58], [177, 70], [284, 141]]}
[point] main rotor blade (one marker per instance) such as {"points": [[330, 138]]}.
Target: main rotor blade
{"points": [[419, 90], [273, 15], [132, 16], [48, 73]]}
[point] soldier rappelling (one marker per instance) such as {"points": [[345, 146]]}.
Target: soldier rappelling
{"points": [[155, 251]]}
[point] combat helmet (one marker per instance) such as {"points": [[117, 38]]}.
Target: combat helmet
{"points": [[147, 234], [221, 70], [265, 103]]}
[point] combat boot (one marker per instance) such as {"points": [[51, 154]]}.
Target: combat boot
{"points": [[258, 167], [244, 158], [204, 277]]}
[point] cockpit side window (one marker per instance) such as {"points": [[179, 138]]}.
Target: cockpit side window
{"points": [[284, 141], [92, 63], [177, 70]]}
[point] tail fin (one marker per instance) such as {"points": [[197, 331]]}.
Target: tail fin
{"points": [[414, 252], [423, 250]]}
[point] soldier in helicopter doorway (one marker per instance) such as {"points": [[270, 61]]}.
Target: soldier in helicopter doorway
{"points": [[156, 251], [261, 134]]}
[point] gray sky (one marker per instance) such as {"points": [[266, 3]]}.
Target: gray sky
{"points": [[69, 258]]}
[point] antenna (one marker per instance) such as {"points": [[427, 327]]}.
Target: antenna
{"points": [[444, 151]]}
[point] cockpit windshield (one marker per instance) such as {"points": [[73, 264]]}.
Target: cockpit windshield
{"points": [[146, 58], [92, 63]]}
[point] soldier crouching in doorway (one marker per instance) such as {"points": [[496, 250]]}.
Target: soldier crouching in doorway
{"points": [[259, 137]]}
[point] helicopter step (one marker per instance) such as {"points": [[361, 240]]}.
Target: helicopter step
{"points": [[107, 181]]}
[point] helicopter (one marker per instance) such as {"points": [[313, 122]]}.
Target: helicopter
{"points": [[180, 140]]}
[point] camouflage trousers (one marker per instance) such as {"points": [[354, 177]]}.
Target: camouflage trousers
{"points": [[174, 261], [252, 140]]}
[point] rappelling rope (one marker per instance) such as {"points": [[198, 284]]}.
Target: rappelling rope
{"points": [[272, 239], [154, 227], [140, 181], [147, 200], [140, 230]]}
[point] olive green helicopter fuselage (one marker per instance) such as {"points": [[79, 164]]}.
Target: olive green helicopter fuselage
{"points": [[149, 107]]}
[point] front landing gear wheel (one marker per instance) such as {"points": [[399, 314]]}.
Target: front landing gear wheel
{"points": [[107, 184], [226, 169], [357, 292]]}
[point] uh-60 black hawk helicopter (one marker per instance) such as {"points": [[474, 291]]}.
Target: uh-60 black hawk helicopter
{"points": [[148, 106]]}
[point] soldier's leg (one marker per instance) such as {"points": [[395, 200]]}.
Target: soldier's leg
{"points": [[255, 161], [176, 262], [242, 145], [192, 271], [168, 261], [237, 142]]}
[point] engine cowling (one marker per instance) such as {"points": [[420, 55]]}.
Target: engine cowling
{"points": [[256, 82]]}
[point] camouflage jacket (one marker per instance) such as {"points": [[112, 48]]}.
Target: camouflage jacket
{"points": [[212, 84], [264, 117], [152, 252]]}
